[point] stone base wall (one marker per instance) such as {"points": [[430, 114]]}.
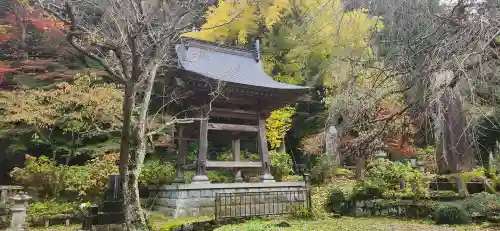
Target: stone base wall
{"points": [[251, 198]]}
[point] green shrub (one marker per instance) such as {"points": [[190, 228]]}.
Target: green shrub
{"points": [[214, 176], [451, 213], [5, 216], [421, 209], [337, 199], [50, 180], [37, 210], [342, 172], [324, 173], [447, 193], [219, 176], [188, 176], [88, 182], [382, 181], [320, 198], [225, 156], [244, 155], [319, 173], [281, 164], [292, 178], [248, 156], [484, 204], [475, 176], [40, 174], [300, 211], [157, 172]]}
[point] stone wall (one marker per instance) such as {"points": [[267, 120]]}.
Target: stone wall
{"points": [[250, 199]]}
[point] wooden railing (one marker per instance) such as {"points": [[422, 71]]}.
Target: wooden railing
{"points": [[8, 191]]}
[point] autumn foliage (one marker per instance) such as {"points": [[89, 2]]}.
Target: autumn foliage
{"points": [[28, 38]]}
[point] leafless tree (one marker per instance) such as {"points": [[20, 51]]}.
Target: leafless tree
{"points": [[422, 41], [134, 42], [447, 52]]}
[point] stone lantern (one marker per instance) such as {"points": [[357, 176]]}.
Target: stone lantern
{"points": [[380, 155], [18, 222]]}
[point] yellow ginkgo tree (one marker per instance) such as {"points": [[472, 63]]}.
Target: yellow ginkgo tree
{"points": [[235, 20], [302, 40]]}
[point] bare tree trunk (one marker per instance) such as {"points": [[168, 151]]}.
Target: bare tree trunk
{"points": [[441, 143], [453, 152], [21, 14], [134, 214]]}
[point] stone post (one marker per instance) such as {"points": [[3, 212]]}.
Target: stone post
{"points": [[18, 221]]}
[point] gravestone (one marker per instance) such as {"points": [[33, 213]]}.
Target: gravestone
{"points": [[110, 211]]}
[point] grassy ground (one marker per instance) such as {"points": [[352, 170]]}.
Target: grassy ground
{"points": [[335, 224], [347, 224]]}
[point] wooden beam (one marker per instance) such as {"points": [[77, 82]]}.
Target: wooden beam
{"points": [[226, 164], [234, 164], [185, 138], [235, 111], [304, 98], [232, 127], [239, 114]]}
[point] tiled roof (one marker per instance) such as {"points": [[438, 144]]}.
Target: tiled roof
{"points": [[227, 64]]}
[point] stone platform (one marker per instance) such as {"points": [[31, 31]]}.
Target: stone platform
{"points": [[199, 199]]}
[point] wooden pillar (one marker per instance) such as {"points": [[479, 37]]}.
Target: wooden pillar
{"points": [[201, 160], [236, 157], [264, 153], [182, 151]]}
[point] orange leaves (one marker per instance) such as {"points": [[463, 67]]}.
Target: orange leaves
{"points": [[400, 146], [313, 144], [4, 70], [110, 157]]}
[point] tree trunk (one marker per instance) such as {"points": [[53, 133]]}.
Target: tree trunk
{"points": [[453, 152], [134, 217], [134, 214]]}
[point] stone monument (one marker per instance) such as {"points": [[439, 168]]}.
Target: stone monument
{"points": [[18, 222]]}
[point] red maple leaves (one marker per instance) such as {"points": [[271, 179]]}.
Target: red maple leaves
{"points": [[4, 70], [37, 19], [400, 146], [13, 21]]}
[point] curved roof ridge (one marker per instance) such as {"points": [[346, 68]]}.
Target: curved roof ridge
{"points": [[227, 64], [192, 42]]}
